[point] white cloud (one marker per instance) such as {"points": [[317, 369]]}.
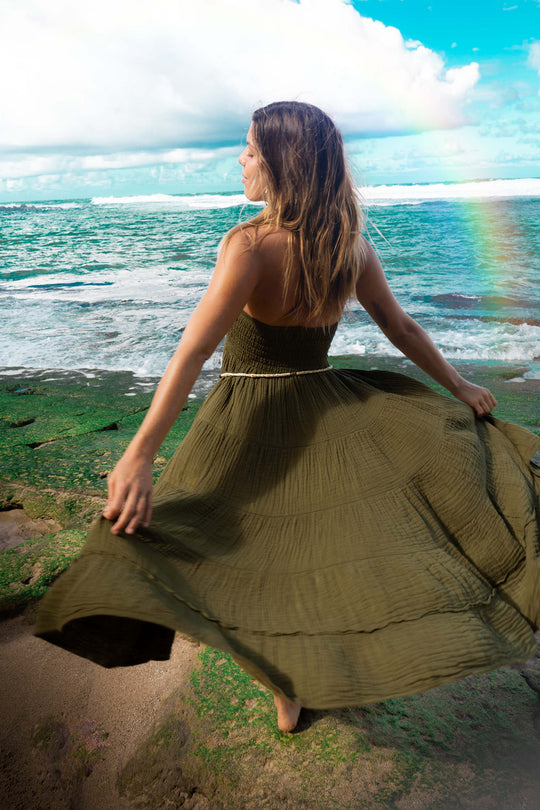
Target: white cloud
{"points": [[534, 55], [497, 149], [32, 165], [117, 75]]}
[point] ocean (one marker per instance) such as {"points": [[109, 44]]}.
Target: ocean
{"points": [[109, 283]]}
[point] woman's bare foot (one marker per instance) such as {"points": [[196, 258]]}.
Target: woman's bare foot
{"points": [[287, 713]]}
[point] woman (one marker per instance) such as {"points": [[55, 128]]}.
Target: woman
{"points": [[347, 536]]}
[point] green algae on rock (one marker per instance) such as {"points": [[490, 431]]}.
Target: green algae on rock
{"points": [[27, 570], [467, 744], [59, 439], [68, 433]]}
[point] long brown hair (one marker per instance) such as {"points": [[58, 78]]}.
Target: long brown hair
{"points": [[309, 193]]}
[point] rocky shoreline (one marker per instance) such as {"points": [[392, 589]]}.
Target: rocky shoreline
{"points": [[196, 732]]}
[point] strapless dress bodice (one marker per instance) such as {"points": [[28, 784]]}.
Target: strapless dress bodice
{"points": [[252, 346]]}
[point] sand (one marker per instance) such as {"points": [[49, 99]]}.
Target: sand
{"points": [[69, 726]]}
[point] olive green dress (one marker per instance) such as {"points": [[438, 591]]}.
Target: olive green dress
{"points": [[347, 536]]}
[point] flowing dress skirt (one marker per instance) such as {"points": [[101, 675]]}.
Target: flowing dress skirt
{"points": [[347, 536]]}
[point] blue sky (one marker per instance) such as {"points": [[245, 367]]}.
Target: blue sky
{"points": [[122, 98]]}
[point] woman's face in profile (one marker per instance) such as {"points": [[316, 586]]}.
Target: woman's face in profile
{"points": [[251, 173]]}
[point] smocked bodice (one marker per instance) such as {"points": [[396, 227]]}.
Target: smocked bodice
{"points": [[252, 346]]}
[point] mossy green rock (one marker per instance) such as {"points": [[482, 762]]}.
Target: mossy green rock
{"points": [[27, 570], [69, 433], [71, 509], [59, 439], [469, 744]]}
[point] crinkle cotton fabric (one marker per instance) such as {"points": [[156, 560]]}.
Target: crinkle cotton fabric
{"points": [[347, 536]]}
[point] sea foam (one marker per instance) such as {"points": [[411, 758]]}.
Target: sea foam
{"points": [[478, 189], [183, 202], [375, 195], [38, 206]]}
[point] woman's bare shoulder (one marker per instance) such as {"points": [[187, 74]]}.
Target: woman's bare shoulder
{"points": [[267, 244], [367, 250], [369, 260], [259, 238]]}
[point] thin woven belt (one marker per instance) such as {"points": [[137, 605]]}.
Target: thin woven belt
{"points": [[277, 374]]}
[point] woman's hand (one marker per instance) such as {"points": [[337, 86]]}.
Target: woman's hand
{"points": [[130, 494], [479, 398]]}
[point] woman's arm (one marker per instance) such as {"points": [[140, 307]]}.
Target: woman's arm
{"points": [[234, 281], [374, 294]]}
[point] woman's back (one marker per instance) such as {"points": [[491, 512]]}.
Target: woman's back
{"points": [[270, 302]]}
